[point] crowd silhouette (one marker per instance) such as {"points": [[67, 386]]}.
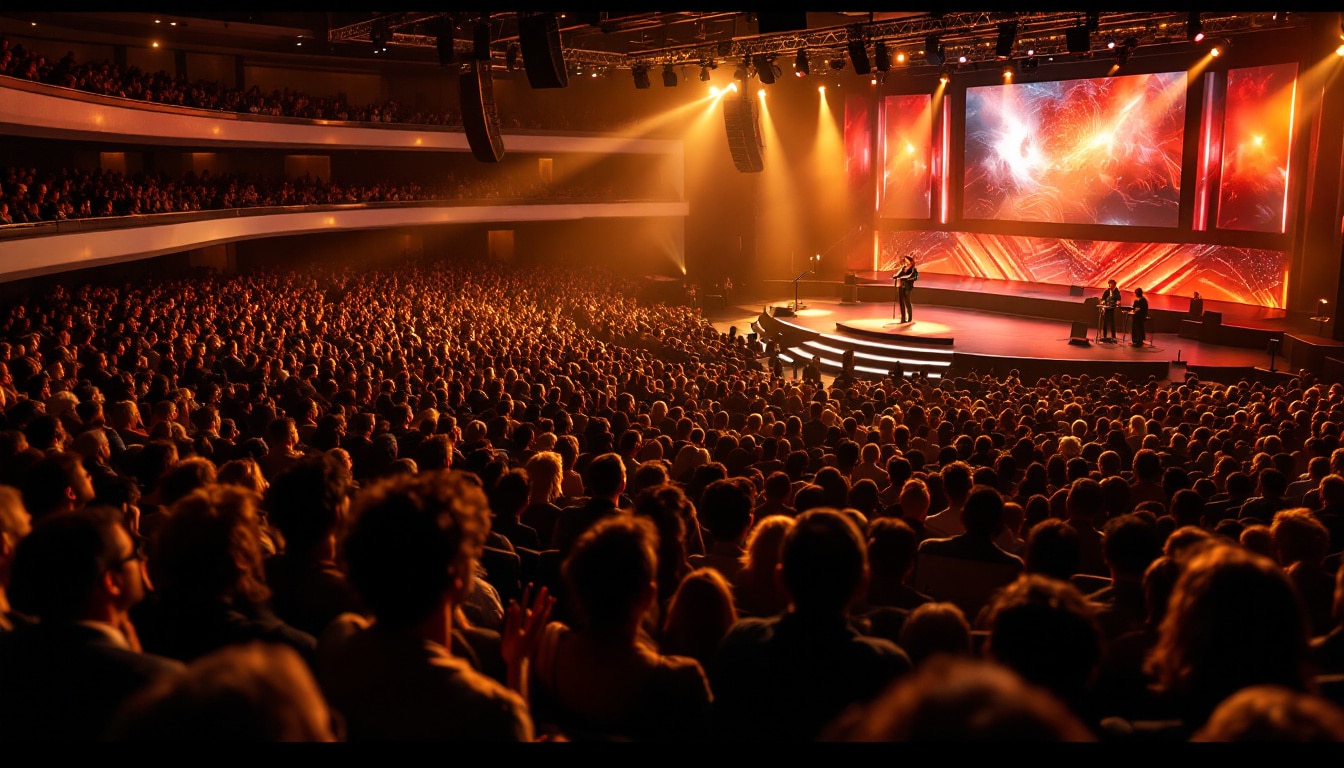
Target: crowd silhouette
{"points": [[454, 501]]}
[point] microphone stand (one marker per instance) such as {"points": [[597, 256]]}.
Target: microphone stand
{"points": [[795, 289]]}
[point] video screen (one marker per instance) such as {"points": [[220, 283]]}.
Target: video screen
{"points": [[1257, 131], [1093, 151], [858, 156], [908, 149], [1218, 272]]}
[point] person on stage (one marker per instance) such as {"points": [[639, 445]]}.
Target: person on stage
{"points": [[1110, 299], [1139, 333], [905, 283]]}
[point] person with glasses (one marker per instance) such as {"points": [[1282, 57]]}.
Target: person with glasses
{"points": [[63, 676]]}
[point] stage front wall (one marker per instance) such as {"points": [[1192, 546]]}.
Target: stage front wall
{"points": [[1217, 272]]}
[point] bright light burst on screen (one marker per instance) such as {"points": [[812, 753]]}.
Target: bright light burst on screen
{"points": [[1095, 151]]}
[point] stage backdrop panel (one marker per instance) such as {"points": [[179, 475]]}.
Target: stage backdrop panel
{"points": [[908, 157], [1089, 151], [1217, 272], [1257, 140]]}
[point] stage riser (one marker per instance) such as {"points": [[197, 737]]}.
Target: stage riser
{"points": [[1031, 369]]}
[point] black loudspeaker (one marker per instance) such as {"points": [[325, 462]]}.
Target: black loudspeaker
{"points": [[851, 278], [1075, 290], [476, 92], [1213, 319], [744, 142], [1078, 39], [1078, 334], [858, 56], [543, 58], [782, 312]]}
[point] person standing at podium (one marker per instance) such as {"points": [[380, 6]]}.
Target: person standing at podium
{"points": [[1110, 299], [1139, 334]]}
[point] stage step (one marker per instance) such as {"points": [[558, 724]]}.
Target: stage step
{"points": [[835, 365]]}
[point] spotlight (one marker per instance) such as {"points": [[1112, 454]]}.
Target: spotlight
{"points": [[641, 75], [881, 55], [1194, 28], [1215, 51], [1007, 39], [1110, 44], [962, 59], [944, 76], [800, 64], [1007, 71], [766, 69], [704, 73], [933, 50], [669, 76], [900, 58], [1027, 65], [837, 64], [1339, 51], [511, 57], [1078, 39]]}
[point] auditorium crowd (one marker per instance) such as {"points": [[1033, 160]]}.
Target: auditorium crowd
{"points": [[30, 196], [132, 82], [449, 501]]}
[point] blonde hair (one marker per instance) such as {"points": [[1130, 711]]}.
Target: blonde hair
{"points": [[544, 473]]}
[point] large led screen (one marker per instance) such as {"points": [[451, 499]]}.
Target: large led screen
{"points": [[1218, 272], [1258, 123], [908, 153], [858, 156], [1094, 151]]}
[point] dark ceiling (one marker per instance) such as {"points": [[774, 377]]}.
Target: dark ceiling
{"points": [[634, 39]]}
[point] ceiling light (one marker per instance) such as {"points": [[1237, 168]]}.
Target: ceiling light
{"points": [[800, 63], [704, 74], [933, 50], [1194, 28], [669, 76]]}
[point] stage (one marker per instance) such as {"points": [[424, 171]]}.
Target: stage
{"points": [[965, 324]]}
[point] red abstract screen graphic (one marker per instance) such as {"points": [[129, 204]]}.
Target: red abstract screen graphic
{"points": [[908, 155], [1257, 130], [1218, 272], [858, 134], [1093, 151]]}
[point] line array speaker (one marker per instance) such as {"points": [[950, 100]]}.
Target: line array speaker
{"points": [[476, 90], [543, 58], [744, 142]]}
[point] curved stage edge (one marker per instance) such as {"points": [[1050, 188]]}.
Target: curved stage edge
{"points": [[963, 325]]}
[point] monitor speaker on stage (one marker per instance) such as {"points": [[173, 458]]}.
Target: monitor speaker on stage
{"points": [[1078, 334]]}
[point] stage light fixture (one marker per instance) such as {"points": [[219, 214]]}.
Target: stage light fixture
{"points": [[801, 68], [766, 69], [1028, 65], [945, 75], [1194, 28], [511, 57], [837, 64], [1110, 43], [962, 59], [933, 50], [900, 58], [883, 59], [669, 76], [1007, 71], [704, 73], [1007, 39], [641, 75]]}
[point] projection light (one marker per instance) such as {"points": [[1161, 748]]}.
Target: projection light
{"points": [[1194, 28], [704, 73], [641, 75], [933, 51], [669, 76]]}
